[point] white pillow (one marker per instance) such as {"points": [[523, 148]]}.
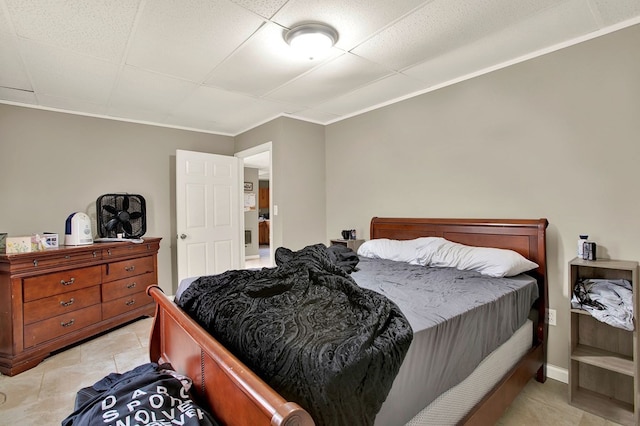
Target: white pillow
{"points": [[493, 262], [418, 251]]}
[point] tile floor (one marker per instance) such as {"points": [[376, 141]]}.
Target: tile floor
{"points": [[264, 261], [45, 394]]}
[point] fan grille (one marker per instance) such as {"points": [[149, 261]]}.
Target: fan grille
{"points": [[121, 214]]}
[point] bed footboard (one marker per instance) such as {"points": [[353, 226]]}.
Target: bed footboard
{"points": [[233, 393]]}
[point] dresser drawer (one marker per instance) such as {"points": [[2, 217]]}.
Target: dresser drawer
{"points": [[127, 268], [125, 304], [59, 304], [120, 288], [47, 285], [129, 249], [41, 331], [53, 258], [67, 258]]}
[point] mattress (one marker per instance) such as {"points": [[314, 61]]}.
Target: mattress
{"points": [[455, 403], [458, 319]]}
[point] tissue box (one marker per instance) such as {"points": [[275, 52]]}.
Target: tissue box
{"points": [[44, 241], [50, 240], [18, 245], [3, 241]]}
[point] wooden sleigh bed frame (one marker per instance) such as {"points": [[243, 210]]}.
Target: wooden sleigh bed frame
{"points": [[237, 396]]}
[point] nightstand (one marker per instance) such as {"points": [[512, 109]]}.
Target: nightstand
{"points": [[605, 360], [352, 244]]}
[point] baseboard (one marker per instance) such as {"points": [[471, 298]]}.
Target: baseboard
{"points": [[253, 256], [557, 373]]}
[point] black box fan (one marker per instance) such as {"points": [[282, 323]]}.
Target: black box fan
{"points": [[124, 214]]}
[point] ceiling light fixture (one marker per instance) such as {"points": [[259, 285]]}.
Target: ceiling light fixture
{"points": [[311, 40]]}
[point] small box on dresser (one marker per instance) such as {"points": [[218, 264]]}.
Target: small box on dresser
{"points": [[604, 360]]}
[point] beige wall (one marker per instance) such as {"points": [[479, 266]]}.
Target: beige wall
{"points": [[298, 185], [53, 164], [555, 137]]}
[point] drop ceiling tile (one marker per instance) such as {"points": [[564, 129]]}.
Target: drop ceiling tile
{"points": [[440, 26], [316, 116], [21, 96], [614, 11], [189, 38], [264, 8], [341, 75], [65, 74], [12, 72], [382, 91], [194, 123], [262, 64], [141, 89], [72, 105], [355, 20], [59, 44], [5, 27], [96, 28], [551, 26], [225, 108], [133, 112]]}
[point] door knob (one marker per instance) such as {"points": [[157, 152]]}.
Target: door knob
{"points": [[183, 236]]}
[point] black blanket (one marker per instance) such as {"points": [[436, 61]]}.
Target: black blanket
{"points": [[307, 329]]}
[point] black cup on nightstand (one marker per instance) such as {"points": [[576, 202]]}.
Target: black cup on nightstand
{"points": [[346, 234]]}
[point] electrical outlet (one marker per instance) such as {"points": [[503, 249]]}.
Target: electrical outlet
{"points": [[551, 316]]}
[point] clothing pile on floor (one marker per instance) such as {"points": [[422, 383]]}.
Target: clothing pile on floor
{"points": [[149, 394]]}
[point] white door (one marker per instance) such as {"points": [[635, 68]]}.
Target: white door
{"points": [[207, 213]]}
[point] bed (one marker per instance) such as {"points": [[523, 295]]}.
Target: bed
{"points": [[237, 396]]}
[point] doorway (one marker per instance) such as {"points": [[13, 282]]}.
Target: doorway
{"points": [[258, 223]]}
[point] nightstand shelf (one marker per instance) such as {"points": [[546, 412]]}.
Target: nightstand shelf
{"points": [[352, 244], [603, 369], [604, 359], [610, 408]]}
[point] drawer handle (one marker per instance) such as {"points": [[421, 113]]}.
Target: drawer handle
{"points": [[132, 285], [130, 302], [71, 281], [69, 303], [67, 257], [67, 324], [130, 268]]}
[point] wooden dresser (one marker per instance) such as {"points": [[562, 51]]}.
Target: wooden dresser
{"points": [[51, 299]]}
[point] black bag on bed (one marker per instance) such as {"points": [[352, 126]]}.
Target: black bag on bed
{"points": [[148, 394]]}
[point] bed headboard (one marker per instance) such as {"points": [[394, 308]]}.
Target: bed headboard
{"points": [[525, 236]]}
